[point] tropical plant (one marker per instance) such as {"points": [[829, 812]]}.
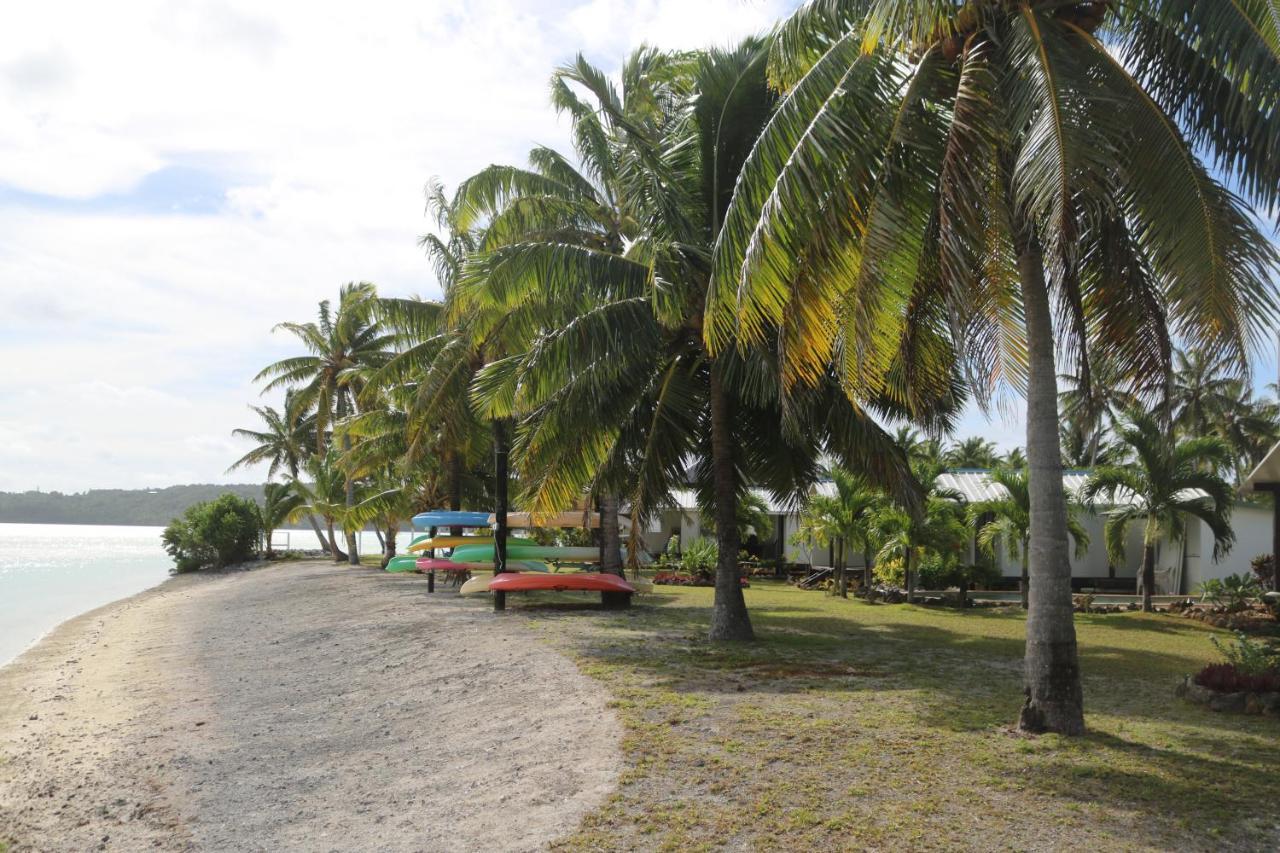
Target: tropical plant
{"points": [[1089, 406], [626, 391], [846, 519], [933, 529], [1233, 592], [284, 443], [280, 504], [214, 533], [1249, 656], [1167, 481], [341, 347], [1006, 164], [972, 452], [326, 494], [1007, 520], [700, 557]]}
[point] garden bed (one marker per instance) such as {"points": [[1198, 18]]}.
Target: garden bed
{"points": [[1233, 702]]}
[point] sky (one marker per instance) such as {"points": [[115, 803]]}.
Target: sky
{"points": [[178, 176]]}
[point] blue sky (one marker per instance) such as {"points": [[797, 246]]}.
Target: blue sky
{"points": [[177, 176]]}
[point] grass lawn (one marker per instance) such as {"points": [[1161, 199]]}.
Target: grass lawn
{"points": [[850, 725]]}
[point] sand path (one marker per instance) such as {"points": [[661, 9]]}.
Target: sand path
{"points": [[298, 707]]}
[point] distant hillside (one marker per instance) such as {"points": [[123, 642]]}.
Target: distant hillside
{"points": [[149, 507]]}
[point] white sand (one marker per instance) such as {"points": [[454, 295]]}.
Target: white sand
{"points": [[298, 707]]}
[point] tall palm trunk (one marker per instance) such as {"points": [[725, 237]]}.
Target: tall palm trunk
{"points": [[1054, 698], [1148, 576], [909, 567], [610, 536], [1024, 584], [455, 488], [500, 453], [866, 570], [729, 617], [315, 525], [334, 550], [353, 555]]}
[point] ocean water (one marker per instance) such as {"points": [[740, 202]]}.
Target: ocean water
{"points": [[50, 573]]}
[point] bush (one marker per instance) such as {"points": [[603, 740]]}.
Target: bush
{"points": [[1250, 657], [215, 533], [700, 557], [1227, 678], [1234, 592], [1264, 566]]}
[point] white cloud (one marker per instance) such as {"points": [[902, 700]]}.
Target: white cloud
{"points": [[130, 336]]}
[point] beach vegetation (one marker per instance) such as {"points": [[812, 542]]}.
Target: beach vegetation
{"points": [[281, 503], [214, 534]]}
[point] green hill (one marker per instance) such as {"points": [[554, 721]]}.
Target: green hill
{"points": [[149, 507]]}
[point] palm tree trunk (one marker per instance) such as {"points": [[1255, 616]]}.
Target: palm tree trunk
{"points": [[389, 544], [1024, 585], [352, 542], [455, 488], [338, 556], [610, 536], [1148, 576], [866, 570], [729, 617], [1054, 698], [315, 525], [842, 580], [908, 566], [500, 452]]}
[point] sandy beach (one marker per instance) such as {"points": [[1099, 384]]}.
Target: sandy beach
{"points": [[303, 706]]}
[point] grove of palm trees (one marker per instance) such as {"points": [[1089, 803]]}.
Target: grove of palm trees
{"points": [[759, 261]]}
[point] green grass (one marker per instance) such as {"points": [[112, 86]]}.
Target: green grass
{"points": [[856, 725]]}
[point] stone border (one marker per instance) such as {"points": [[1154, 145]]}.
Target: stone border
{"points": [[1229, 703]]}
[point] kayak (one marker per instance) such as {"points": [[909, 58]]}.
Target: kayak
{"points": [[428, 543], [478, 584], [584, 554], [427, 564], [404, 563], [583, 581], [449, 518]]}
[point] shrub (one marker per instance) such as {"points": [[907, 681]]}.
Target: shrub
{"points": [[1250, 657], [214, 533], [1264, 566], [700, 557], [1227, 678], [1233, 592]]}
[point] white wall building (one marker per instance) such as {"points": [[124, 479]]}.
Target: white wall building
{"points": [[1180, 566]]}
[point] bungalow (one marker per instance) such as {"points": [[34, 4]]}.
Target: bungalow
{"points": [[1181, 566]]}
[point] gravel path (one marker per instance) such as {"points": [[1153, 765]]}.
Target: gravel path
{"points": [[298, 707]]}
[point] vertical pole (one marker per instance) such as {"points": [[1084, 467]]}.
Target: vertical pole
{"points": [[431, 575], [500, 511]]}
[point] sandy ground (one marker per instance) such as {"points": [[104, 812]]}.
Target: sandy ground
{"points": [[298, 707]]}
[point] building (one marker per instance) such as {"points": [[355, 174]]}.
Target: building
{"points": [[1180, 566]]}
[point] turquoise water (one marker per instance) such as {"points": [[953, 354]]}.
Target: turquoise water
{"points": [[52, 572]]}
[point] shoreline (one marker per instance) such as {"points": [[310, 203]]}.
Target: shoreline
{"points": [[296, 706]]}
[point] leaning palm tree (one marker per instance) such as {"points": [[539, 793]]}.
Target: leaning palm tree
{"points": [[325, 495], [1033, 169], [328, 379], [1168, 480], [285, 442], [1007, 519], [280, 503]]}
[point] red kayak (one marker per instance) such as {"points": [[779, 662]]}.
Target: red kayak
{"points": [[532, 582]]}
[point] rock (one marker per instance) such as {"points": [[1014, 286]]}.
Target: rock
{"points": [[1253, 704], [1271, 704], [1231, 703]]}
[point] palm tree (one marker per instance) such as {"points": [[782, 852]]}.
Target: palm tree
{"points": [[326, 495], [1201, 389], [845, 518], [328, 380], [937, 529], [1007, 519], [626, 389], [1012, 163], [1089, 406], [280, 503], [1168, 480], [972, 452], [284, 444], [1250, 427]]}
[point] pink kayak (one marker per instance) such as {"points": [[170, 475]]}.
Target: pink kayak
{"points": [[434, 565]]}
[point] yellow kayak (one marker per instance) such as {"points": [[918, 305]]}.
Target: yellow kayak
{"points": [[459, 541]]}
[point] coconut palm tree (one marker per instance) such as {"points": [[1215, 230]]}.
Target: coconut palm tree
{"points": [[1250, 427], [326, 495], [1007, 519], [1089, 408], [280, 503], [846, 519], [328, 379], [1169, 480], [972, 452], [627, 386], [285, 442], [1032, 168], [1201, 389]]}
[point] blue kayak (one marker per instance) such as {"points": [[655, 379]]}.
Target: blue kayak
{"points": [[448, 518]]}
